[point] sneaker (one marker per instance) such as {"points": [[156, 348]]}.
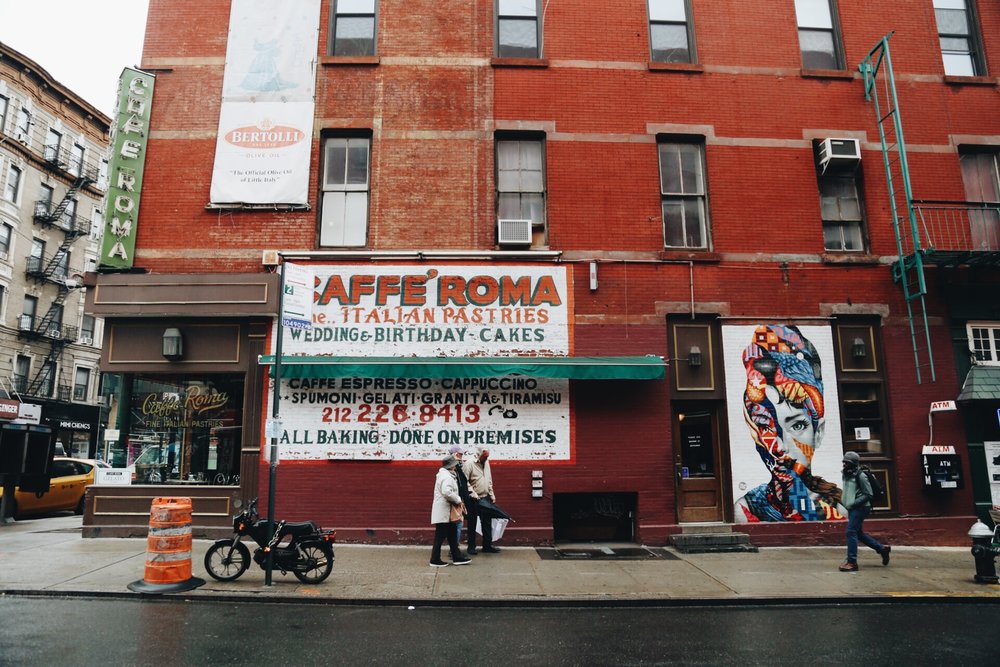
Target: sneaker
{"points": [[849, 567], [438, 563], [472, 551], [461, 561], [491, 550], [885, 554]]}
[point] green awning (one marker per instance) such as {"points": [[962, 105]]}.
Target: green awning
{"points": [[574, 368], [982, 383]]}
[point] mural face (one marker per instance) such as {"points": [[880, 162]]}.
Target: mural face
{"points": [[777, 397]]}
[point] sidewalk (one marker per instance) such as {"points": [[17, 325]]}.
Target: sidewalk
{"points": [[48, 556]]}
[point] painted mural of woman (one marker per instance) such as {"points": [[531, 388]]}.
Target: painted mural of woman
{"points": [[783, 407]]}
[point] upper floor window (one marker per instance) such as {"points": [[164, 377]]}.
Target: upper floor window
{"points": [[352, 31], [22, 128], [840, 208], [959, 34], [683, 194], [44, 204], [521, 182], [6, 232], [81, 384], [12, 187], [981, 175], [670, 36], [344, 209], [102, 174], [87, 327], [518, 29], [76, 160], [984, 342], [4, 105], [818, 39], [53, 141]]}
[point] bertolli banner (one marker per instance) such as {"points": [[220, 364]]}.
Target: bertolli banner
{"points": [[265, 123]]}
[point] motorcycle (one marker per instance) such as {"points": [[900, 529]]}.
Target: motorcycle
{"points": [[308, 553]]}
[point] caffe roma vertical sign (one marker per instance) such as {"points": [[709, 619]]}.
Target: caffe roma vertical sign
{"points": [[268, 96], [128, 159]]}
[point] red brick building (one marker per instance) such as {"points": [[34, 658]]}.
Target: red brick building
{"points": [[589, 183]]}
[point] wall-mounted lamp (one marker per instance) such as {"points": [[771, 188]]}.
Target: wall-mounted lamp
{"points": [[173, 344], [694, 357], [858, 349]]}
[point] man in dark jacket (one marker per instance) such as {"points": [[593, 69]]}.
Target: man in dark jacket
{"points": [[857, 499], [468, 498]]}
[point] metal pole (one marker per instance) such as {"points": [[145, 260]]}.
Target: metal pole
{"points": [[275, 397]]}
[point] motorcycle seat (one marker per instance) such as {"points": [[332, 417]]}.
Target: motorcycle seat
{"points": [[298, 529]]}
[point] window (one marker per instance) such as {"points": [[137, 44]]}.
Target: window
{"points": [[76, 160], [22, 368], [36, 256], [87, 325], [521, 181], [353, 28], [6, 232], [48, 375], [683, 195], [62, 264], [53, 141], [959, 34], [28, 309], [44, 204], [4, 105], [69, 215], [818, 39], [96, 223], [518, 29], [344, 210], [840, 208], [670, 35], [56, 317], [981, 175], [102, 174], [81, 384], [22, 129], [13, 185], [984, 343]]}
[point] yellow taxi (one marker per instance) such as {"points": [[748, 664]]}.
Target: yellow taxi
{"points": [[70, 479]]}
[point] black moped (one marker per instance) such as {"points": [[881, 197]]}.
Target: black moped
{"points": [[308, 553]]}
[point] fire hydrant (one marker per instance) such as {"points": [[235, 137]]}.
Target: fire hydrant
{"points": [[984, 552]]}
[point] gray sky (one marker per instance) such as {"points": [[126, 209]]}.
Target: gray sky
{"points": [[84, 44]]}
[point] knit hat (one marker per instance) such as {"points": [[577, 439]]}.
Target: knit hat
{"points": [[852, 458], [449, 463]]}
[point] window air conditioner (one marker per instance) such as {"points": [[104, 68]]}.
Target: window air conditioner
{"points": [[22, 137], [839, 152], [86, 340], [513, 232], [54, 333]]}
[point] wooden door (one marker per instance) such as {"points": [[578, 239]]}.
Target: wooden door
{"points": [[696, 465]]}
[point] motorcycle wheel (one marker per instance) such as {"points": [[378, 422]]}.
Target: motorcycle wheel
{"points": [[227, 560], [320, 563]]}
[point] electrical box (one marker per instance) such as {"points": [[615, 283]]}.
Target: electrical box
{"points": [[942, 467]]}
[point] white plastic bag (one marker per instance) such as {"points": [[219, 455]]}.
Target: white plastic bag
{"points": [[499, 525]]}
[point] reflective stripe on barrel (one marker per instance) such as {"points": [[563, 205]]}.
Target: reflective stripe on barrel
{"points": [[168, 547]]}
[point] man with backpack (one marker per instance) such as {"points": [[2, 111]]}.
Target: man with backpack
{"points": [[857, 499]]}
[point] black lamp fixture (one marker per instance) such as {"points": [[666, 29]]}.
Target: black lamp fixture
{"points": [[173, 344], [858, 349], [694, 357]]}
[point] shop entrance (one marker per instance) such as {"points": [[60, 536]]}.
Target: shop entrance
{"points": [[696, 464], [594, 517]]}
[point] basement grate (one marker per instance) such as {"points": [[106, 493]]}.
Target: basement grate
{"points": [[604, 553]]}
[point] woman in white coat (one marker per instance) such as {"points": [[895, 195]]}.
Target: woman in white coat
{"points": [[445, 497]]}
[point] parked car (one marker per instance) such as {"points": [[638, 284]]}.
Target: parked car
{"points": [[70, 479]]}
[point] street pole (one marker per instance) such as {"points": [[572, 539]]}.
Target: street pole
{"points": [[275, 397]]}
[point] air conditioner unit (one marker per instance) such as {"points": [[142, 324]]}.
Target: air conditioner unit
{"points": [[839, 152], [86, 340], [513, 232], [270, 258], [54, 333], [22, 137]]}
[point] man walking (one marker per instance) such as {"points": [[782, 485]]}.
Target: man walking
{"points": [[857, 500], [481, 486], [468, 498]]}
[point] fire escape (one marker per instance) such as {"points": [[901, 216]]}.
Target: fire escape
{"points": [[928, 232], [54, 269]]}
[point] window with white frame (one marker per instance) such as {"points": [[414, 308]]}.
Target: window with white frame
{"points": [[87, 326], [29, 308], [48, 375], [352, 31], [518, 29], [344, 210], [958, 31], [37, 255], [521, 181], [6, 234], [12, 187], [683, 194], [22, 128], [102, 174], [984, 342], [96, 223], [4, 105], [81, 384], [819, 42], [670, 34], [22, 368], [69, 215], [76, 160], [53, 142], [44, 204]]}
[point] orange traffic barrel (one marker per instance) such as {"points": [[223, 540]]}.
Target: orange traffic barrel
{"points": [[168, 549]]}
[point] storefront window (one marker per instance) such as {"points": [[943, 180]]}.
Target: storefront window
{"points": [[184, 430]]}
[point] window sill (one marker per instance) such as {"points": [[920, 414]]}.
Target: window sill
{"points": [[336, 61], [827, 74], [519, 62], [692, 255], [674, 67], [848, 257], [970, 80]]}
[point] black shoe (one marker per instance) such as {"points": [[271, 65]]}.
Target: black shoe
{"points": [[885, 554], [461, 561], [438, 563], [471, 551], [491, 550]]}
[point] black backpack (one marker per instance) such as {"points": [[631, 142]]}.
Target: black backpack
{"points": [[878, 491]]}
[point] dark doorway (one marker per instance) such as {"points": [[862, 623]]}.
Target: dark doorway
{"points": [[594, 517]]}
